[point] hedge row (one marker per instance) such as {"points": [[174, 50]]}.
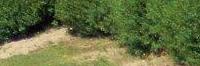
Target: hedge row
{"points": [[155, 26], [144, 26], [18, 15], [177, 24], [88, 17]]}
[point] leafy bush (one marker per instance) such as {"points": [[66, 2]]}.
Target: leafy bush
{"points": [[177, 22], [21, 16], [87, 17], [156, 26], [135, 33], [144, 26], [16, 15]]}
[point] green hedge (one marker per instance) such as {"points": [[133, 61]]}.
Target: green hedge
{"points": [[134, 31], [154, 26], [16, 15], [177, 22], [88, 17], [144, 26], [19, 17]]}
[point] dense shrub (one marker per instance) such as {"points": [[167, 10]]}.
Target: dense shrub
{"points": [[144, 26], [177, 22], [88, 17], [22, 16], [135, 33], [154, 26], [16, 15]]}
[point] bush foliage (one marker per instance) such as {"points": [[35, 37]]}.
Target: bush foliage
{"points": [[144, 26], [87, 17], [177, 23], [155, 26], [16, 15], [20, 16]]}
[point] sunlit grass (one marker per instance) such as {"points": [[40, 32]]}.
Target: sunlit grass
{"points": [[63, 54], [83, 52], [55, 55]]}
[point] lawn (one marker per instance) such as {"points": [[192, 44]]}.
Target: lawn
{"points": [[63, 54], [83, 52]]}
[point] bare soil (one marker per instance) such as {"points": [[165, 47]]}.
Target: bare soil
{"points": [[25, 46]]}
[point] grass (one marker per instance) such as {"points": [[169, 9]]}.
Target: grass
{"points": [[83, 52], [62, 54]]}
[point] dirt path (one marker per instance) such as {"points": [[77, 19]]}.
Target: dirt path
{"points": [[25, 46]]}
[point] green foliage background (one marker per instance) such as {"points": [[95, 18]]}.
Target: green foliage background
{"points": [[143, 26], [16, 15], [177, 23], [87, 17]]}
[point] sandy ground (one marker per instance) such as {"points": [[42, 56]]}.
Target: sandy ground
{"points": [[25, 46]]}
